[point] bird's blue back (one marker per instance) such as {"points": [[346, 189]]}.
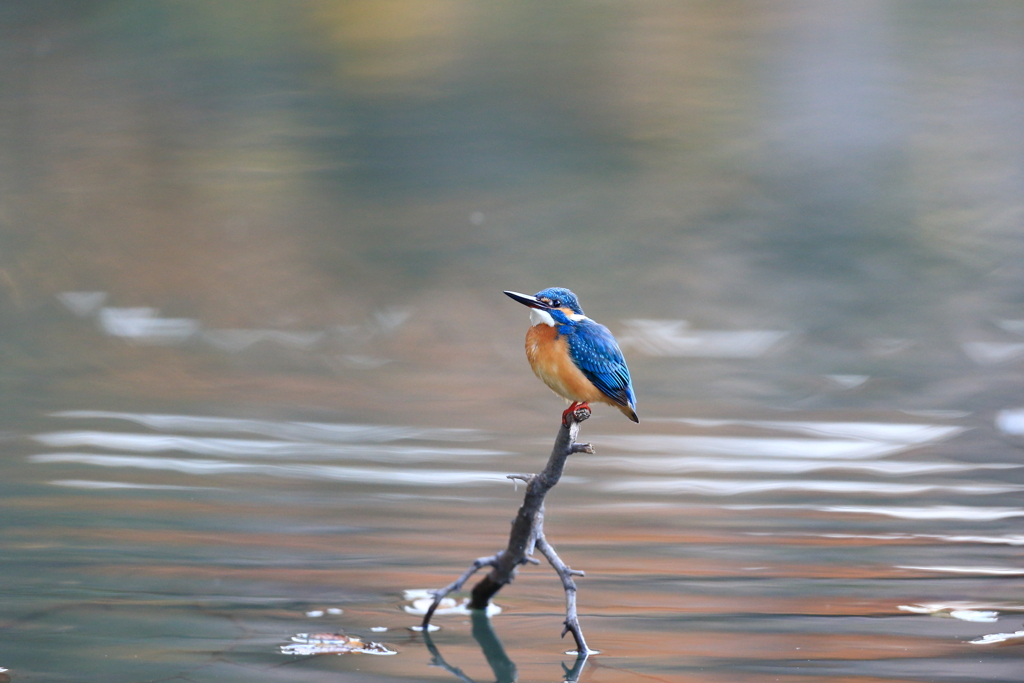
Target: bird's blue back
{"points": [[596, 353]]}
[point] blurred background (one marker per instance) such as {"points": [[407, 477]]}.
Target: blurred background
{"points": [[334, 194], [308, 210]]}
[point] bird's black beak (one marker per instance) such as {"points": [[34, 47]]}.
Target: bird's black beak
{"points": [[527, 300]]}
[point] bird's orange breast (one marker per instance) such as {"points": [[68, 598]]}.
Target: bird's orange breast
{"points": [[548, 353]]}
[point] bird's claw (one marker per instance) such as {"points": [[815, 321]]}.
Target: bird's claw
{"points": [[577, 412]]}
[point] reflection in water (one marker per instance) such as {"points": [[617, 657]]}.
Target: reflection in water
{"points": [[503, 668]]}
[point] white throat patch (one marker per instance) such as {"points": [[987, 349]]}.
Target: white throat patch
{"points": [[541, 317]]}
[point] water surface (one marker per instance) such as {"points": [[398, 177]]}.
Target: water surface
{"points": [[258, 379], [148, 546]]}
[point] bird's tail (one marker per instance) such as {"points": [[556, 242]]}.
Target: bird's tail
{"points": [[628, 411]]}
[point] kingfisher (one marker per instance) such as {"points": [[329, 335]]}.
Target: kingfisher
{"points": [[576, 357]]}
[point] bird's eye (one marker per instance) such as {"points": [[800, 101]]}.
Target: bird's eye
{"points": [[556, 302]]}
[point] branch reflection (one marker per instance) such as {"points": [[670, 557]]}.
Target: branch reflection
{"points": [[504, 669]]}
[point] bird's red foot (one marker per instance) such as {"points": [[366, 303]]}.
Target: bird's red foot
{"points": [[574, 412]]}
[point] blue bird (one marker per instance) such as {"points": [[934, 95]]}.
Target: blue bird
{"points": [[575, 356]]}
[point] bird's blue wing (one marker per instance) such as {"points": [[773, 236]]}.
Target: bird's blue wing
{"points": [[597, 355]]}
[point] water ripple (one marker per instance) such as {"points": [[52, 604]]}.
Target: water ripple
{"points": [[295, 471], [721, 487], [302, 431], [670, 464], [906, 433], [987, 571], [847, 449], [154, 443], [1007, 539], [924, 513], [91, 484]]}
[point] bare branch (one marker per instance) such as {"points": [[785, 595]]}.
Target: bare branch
{"points": [[456, 585], [528, 534], [572, 622]]}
